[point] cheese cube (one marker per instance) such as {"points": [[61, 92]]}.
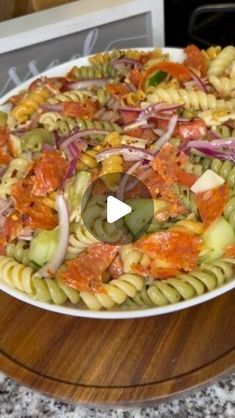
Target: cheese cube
{"points": [[207, 181]]}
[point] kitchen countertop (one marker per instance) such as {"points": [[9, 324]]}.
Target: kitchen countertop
{"points": [[214, 401]]}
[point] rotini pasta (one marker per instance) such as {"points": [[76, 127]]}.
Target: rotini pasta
{"points": [[115, 292], [190, 99], [29, 104], [185, 286], [225, 86], [222, 61], [14, 172], [65, 144]]}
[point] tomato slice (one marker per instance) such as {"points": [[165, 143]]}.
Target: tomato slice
{"points": [[34, 212], [128, 117], [49, 171], [174, 69], [171, 249], [80, 110], [211, 203], [4, 136], [84, 273], [134, 76], [192, 130], [187, 179], [195, 59]]}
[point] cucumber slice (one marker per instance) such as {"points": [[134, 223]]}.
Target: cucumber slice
{"points": [[43, 247], [142, 214], [216, 238]]}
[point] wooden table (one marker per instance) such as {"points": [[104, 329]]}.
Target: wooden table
{"points": [[117, 362]]}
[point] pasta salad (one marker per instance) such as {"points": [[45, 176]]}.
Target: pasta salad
{"points": [[130, 112]]}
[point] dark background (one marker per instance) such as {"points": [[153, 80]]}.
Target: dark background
{"points": [[217, 28]]}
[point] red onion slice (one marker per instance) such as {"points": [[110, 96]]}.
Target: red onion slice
{"points": [[85, 84], [135, 125], [151, 110], [122, 186], [124, 60], [71, 170], [58, 107], [167, 135], [78, 135], [128, 153], [198, 81], [51, 266], [5, 205]]}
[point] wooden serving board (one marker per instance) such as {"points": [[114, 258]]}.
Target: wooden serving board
{"points": [[117, 362]]}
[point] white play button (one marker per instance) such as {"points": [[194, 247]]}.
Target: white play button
{"points": [[116, 209]]}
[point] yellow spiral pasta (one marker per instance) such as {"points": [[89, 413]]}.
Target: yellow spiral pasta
{"points": [[188, 225], [223, 85], [116, 292], [87, 160], [29, 104], [134, 98], [111, 168], [190, 99], [223, 60], [81, 239]]}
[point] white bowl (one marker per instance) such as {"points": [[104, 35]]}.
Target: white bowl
{"points": [[177, 55]]}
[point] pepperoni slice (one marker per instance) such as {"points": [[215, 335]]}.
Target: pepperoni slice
{"points": [[230, 251], [84, 273], [156, 272], [195, 59], [171, 249], [12, 228], [49, 171], [84, 110], [211, 203], [116, 268], [118, 89], [34, 212]]}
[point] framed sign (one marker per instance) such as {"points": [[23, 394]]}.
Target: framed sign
{"points": [[36, 42]]}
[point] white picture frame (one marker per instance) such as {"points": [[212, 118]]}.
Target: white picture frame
{"points": [[75, 17]]}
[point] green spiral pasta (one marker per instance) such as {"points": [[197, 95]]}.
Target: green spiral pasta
{"points": [[224, 169], [105, 98], [19, 251], [15, 171], [190, 99], [23, 278], [187, 198], [66, 125], [98, 70], [116, 292], [185, 286], [224, 131], [70, 96], [54, 291]]}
